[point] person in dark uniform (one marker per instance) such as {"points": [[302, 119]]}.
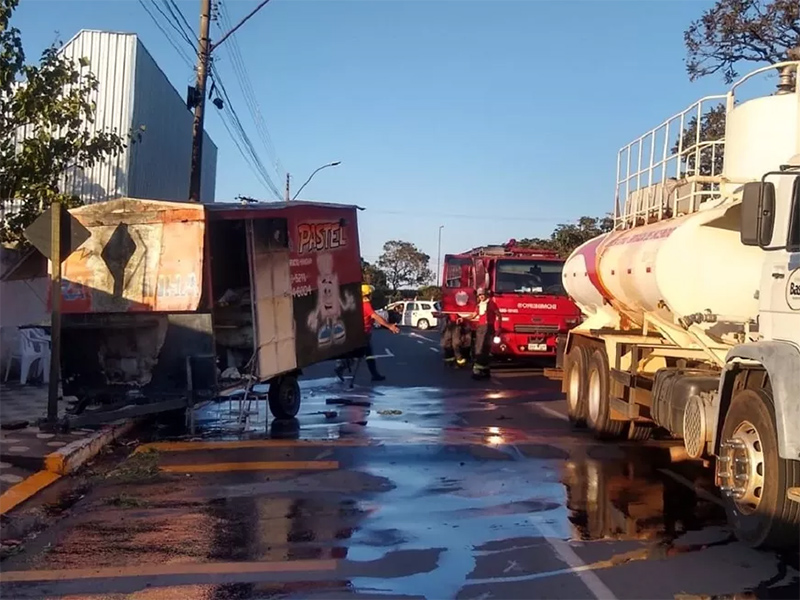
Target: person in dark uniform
{"points": [[451, 341]]}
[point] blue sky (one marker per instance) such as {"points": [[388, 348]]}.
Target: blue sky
{"points": [[496, 119]]}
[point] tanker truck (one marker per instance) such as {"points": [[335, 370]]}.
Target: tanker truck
{"points": [[692, 302]]}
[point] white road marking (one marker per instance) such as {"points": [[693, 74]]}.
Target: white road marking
{"points": [[435, 350], [705, 495], [551, 411], [422, 338], [577, 567], [387, 355]]}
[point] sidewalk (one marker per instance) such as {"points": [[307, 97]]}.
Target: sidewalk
{"points": [[26, 452]]}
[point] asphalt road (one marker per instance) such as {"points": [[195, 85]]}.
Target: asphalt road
{"points": [[430, 485]]}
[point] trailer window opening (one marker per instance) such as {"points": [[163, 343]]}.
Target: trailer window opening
{"points": [[457, 272], [529, 277]]}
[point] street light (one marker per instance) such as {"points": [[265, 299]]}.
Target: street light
{"points": [[317, 170], [439, 256]]}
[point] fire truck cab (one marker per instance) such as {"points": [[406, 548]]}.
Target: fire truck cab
{"points": [[526, 284]]}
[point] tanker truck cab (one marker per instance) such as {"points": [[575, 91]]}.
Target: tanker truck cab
{"points": [[692, 303]]}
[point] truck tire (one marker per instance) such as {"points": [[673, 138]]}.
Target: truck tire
{"points": [[758, 509], [598, 409], [576, 374], [284, 397]]}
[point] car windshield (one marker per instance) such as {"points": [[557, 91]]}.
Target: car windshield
{"points": [[529, 277]]}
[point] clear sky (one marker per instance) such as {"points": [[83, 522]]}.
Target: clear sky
{"points": [[496, 119]]}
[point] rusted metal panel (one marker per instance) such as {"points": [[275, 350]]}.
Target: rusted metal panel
{"points": [[142, 256]]}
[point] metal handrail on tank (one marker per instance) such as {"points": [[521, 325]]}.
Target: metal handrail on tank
{"points": [[689, 172], [683, 174]]}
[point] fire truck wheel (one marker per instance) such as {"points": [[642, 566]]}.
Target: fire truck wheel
{"points": [[598, 415], [423, 324], [575, 384], [284, 397], [757, 478]]}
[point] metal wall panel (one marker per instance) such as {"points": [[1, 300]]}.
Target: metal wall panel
{"points": [[160, 162], [111, 59]]}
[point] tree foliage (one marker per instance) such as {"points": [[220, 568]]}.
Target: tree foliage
{"points": [[708, 159], [735, 31], [568, 236], [404, 265], [46, 115]]}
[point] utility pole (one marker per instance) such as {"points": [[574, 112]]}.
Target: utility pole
{"points": [[439, 257], [286, 195], [199, 100]]}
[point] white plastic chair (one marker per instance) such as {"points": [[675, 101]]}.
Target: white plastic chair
{"points": [[34, 347]]}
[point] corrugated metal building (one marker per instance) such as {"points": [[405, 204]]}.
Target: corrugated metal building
{"points": [[135, 96]]}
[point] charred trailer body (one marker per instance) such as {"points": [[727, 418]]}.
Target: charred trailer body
{"points": [[166, 297]]}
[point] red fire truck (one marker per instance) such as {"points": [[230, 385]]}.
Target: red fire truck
{"points": [[527, 287]]}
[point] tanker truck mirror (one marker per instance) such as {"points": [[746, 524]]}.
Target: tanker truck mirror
{"points": [[758, 214]]}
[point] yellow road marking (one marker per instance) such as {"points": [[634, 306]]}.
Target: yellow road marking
{"points": [[25, 489], [286, 566], [285, 465], [237, 445]]}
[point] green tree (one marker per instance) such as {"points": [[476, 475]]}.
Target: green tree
{"points": [[709, 158], [568, 236], [404, 265], [46, 113], [430, 292], [736, 31]]}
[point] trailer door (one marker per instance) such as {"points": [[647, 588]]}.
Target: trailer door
{"points": [[271, 296]]}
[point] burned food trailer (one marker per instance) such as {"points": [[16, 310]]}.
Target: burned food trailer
{"points": [[164, 297]]}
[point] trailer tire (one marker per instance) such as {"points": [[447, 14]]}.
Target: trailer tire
{"points": [[598, 409], [576, 377], [284, 397], [639, 432], [763, 517]]}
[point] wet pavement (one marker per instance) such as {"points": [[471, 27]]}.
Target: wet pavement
{"points": [[428, 486]]}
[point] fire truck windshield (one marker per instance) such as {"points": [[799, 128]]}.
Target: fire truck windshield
{"points": [[529, 277]]}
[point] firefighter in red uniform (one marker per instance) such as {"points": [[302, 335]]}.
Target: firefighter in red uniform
{"points": [[369, 316], [452, 337], [488, 317]]}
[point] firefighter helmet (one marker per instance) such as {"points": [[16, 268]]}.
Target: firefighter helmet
{"points": [[366, 290], [480, 291]]}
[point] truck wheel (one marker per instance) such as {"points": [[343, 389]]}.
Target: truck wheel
{"points": [[639, 432], [598, 414], [757, 478], [576, 373], [423, 324], [284, 397]]}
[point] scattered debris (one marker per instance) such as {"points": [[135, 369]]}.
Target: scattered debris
{"points": [[142, 466], [12, 425], [390, 411]]}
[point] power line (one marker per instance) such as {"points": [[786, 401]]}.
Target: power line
{"points": [[170, 39], [174, 23], [427, 215], [177, 10], [248, 93], [243, 137]]}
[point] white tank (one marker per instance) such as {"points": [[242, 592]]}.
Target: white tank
{"points": [[692, 264]]}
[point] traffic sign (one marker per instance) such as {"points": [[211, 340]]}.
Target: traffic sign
{"points": [[73, 234]]}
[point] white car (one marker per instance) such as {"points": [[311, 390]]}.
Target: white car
{"points": [[412, 313]]}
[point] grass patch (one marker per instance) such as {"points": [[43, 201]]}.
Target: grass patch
{"points": [[126, 501], [140, 467]]}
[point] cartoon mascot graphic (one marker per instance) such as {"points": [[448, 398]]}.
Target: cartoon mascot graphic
{"points": [[326, 318]]}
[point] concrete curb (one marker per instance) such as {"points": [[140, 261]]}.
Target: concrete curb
{"points": [[73, 455], [65, 460]]}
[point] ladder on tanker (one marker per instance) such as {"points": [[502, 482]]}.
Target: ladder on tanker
{"points": [[674, 168]]}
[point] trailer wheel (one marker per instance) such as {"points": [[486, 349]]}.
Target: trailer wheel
{"points": [[639, 432], [754, 478], [598, 414], [576, 373], [284, 397]]}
